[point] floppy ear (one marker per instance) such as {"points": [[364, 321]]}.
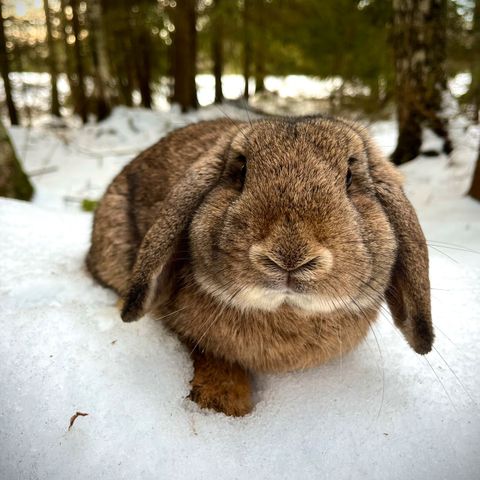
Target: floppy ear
{"points": [[162, 238], [408, 295]]}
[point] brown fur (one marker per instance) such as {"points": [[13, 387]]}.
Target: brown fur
{"points": [[284, 271], [219, 385]]}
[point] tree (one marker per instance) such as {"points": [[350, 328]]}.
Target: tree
{"points": [[184, 54], [74, 59], [116, 14], [475, 186], [52, 62], [140, 34], [474, 90], [68, 65], [247, 46], [260, 46], [13, 181], [217, 41], [102, 80], [5, 66], [419, 42], [82, 107]]}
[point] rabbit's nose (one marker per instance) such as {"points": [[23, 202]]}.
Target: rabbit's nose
{"points": [[318, 261], [287, 266]]}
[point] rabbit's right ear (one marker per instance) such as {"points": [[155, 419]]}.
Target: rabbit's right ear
{"points": [[408, 294], [162, 238]]}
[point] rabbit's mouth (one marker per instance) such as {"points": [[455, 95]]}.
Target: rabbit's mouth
{"points": [[268, 299], [315, 303], [272, 297]]}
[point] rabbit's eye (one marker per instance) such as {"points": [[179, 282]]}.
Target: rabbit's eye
{"points": [[242, 158], [349, 178], [243, 168]]}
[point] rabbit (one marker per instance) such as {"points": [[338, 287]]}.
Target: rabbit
{"points": [[266, 246]]}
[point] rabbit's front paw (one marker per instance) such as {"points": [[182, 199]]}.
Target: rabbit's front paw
{"points": [[232, 400], [221, 386]]}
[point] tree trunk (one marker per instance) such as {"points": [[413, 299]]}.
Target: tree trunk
{"points": [[103, 95], [260, 48], [475, 186], [142, 45], [116, 15], [419, 41], [247, 47], [52, 62], [68, 67], [217, 50], [184, 54], [259, 78], [70, 59], [79, 70], [13, 181], [474, 89], [5, 66], [143, 68]]}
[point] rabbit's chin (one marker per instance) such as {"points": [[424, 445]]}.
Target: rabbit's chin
{"points": [[269, 300]]}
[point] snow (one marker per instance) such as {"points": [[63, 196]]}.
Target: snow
{"points": [[380, 412], [300, 93], [31, 90]]}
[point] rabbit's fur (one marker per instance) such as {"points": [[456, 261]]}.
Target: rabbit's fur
{"points": [[247, 241]]}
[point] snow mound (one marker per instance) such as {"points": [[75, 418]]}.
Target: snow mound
{"points": [[380, 412]]}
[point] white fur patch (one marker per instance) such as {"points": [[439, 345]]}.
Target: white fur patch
{"points": [[259, 298]]}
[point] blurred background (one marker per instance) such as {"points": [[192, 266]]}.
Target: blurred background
{"points": [[68, 62]]}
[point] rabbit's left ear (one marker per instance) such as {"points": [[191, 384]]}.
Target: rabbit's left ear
{"points": [[408, 295], [161, 240]]}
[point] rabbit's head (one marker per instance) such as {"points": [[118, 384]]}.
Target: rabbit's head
{"points": [[299, 213]]}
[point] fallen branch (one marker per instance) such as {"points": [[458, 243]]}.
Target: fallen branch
{"points": [[74, 417]]}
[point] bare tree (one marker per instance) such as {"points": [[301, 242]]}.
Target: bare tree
{"points": [[184, 54], [5, 66], [68, 66], [102, 79], [217, 49], [116, 15], [419, 40], [140, 35], [52, 62], [475, 186], [82, 107], [13, 181], [260, 47], [474, 90], [247, 46]]}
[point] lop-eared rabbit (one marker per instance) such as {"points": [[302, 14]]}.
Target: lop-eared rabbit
{"points": [[266, 246]]}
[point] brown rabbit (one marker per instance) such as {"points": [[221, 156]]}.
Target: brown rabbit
{"points": [[266, 246]]}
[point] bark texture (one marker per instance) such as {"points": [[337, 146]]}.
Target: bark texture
{"points": [[82, 107], [260, 46], [14, 183], [52, 62], [142, 46], [247, 47], [475, 187], [5, 66], [102, 79], [474, 90], [184, 54], [217, 50], [419, 41]]}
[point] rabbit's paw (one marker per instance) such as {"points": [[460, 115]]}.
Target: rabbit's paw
{"points": [[221, 386]]}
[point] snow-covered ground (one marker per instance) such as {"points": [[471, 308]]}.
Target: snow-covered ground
{"points": [[292, 94], [382, 412], [31, 90]]}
